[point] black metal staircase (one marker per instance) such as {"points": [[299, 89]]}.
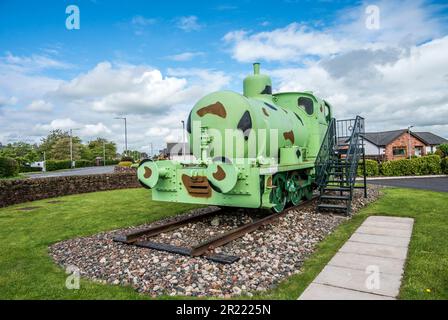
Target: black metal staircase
{"points": [[337, 163]]}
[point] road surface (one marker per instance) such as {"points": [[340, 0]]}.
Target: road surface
{"points": [[433, 184], [73, 172]]}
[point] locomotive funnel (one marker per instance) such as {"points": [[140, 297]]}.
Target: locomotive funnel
{"points": [[258, 85]]}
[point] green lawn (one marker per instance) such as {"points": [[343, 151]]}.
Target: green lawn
{"points": [[26, 270]]}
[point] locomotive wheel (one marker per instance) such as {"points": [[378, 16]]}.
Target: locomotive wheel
{"points": [[295, 196], [308, 192], [278, 195]]}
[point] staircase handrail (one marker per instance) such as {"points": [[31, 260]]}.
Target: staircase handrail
{"points": [[326, 149]]}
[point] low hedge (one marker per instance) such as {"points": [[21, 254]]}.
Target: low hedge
{"points": [[83, 163], [444, 165], [8, 167], [416, 166], [30, 169], [112, 162], [52, 165], [372, 168]]}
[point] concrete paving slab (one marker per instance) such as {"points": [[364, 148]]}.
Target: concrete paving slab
{"points": [[388, 285], [390, 219], [369, 265], [363, 262], [378, 250], [384, 231], [316, 291], [377, 239], [387, 225]]}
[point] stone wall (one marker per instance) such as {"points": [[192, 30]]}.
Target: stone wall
{"points": [[18, 191]]}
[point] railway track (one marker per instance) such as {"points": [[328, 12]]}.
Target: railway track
{"points": [[202, 248]]}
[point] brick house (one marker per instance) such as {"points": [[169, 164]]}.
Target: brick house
{"points": [[397, 144]]}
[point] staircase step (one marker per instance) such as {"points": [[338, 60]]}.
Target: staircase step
{"points": [[329, 197], [337, 189], [332, 207]]}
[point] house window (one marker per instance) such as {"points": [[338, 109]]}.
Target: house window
{"points": [[418, 151], [399, 151]]}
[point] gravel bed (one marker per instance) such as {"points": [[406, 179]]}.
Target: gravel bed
{"points": [[268, 255]]}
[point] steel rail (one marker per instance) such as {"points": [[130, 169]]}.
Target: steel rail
{"points": [[165, 227], [207, 245], [236, 233]]}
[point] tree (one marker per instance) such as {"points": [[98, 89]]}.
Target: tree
{"points": [[95, 149], [57, 146], [444, 150], [24, 153]]}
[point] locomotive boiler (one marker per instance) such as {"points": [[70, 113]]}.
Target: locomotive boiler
{"points": [[252, 150]]}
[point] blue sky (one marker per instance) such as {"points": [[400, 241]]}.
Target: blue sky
{"points": [[151, 60]]}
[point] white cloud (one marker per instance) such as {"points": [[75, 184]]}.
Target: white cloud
{"points": [[95, 130], [402, 24], [157, 132], [39, 106], [189, 23], [139, 89], [410, 89], [142, 21], [290, 43], [32, 63], [63, 124], [185, 56]]}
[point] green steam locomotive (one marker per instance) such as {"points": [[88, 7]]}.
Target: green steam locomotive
{"points": [[251, 150]]}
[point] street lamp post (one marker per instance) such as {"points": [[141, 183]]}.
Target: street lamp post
{"points": [[71, 146], [44, 167], [125, 134], [104, 153], [183, 139], [409, 141]]}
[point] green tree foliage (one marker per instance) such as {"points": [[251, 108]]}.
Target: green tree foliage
{"points": [[8, 167], [443, 148], [60, 150], [95, 149], [22, 152], [57, 146]]}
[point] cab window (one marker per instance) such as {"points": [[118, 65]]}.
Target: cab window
{"points": [[307, 104]]}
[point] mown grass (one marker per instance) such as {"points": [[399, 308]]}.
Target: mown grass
{"points": [[27, 272], [426, 270]]}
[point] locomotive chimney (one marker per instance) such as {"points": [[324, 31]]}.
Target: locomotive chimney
{"points": [[257, 68], [258, 85]]}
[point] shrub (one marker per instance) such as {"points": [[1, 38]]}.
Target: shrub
{"points": [[30, 169], [125, 163], [444, 165], [127, 159], [112, 162], [372, 168], [52, 165], [83, 163], [416, 166], [8, 167], [443, 149]]}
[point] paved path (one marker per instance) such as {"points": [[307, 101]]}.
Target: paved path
{"points": [[434, 184], [370, 264], [74, 172]]}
